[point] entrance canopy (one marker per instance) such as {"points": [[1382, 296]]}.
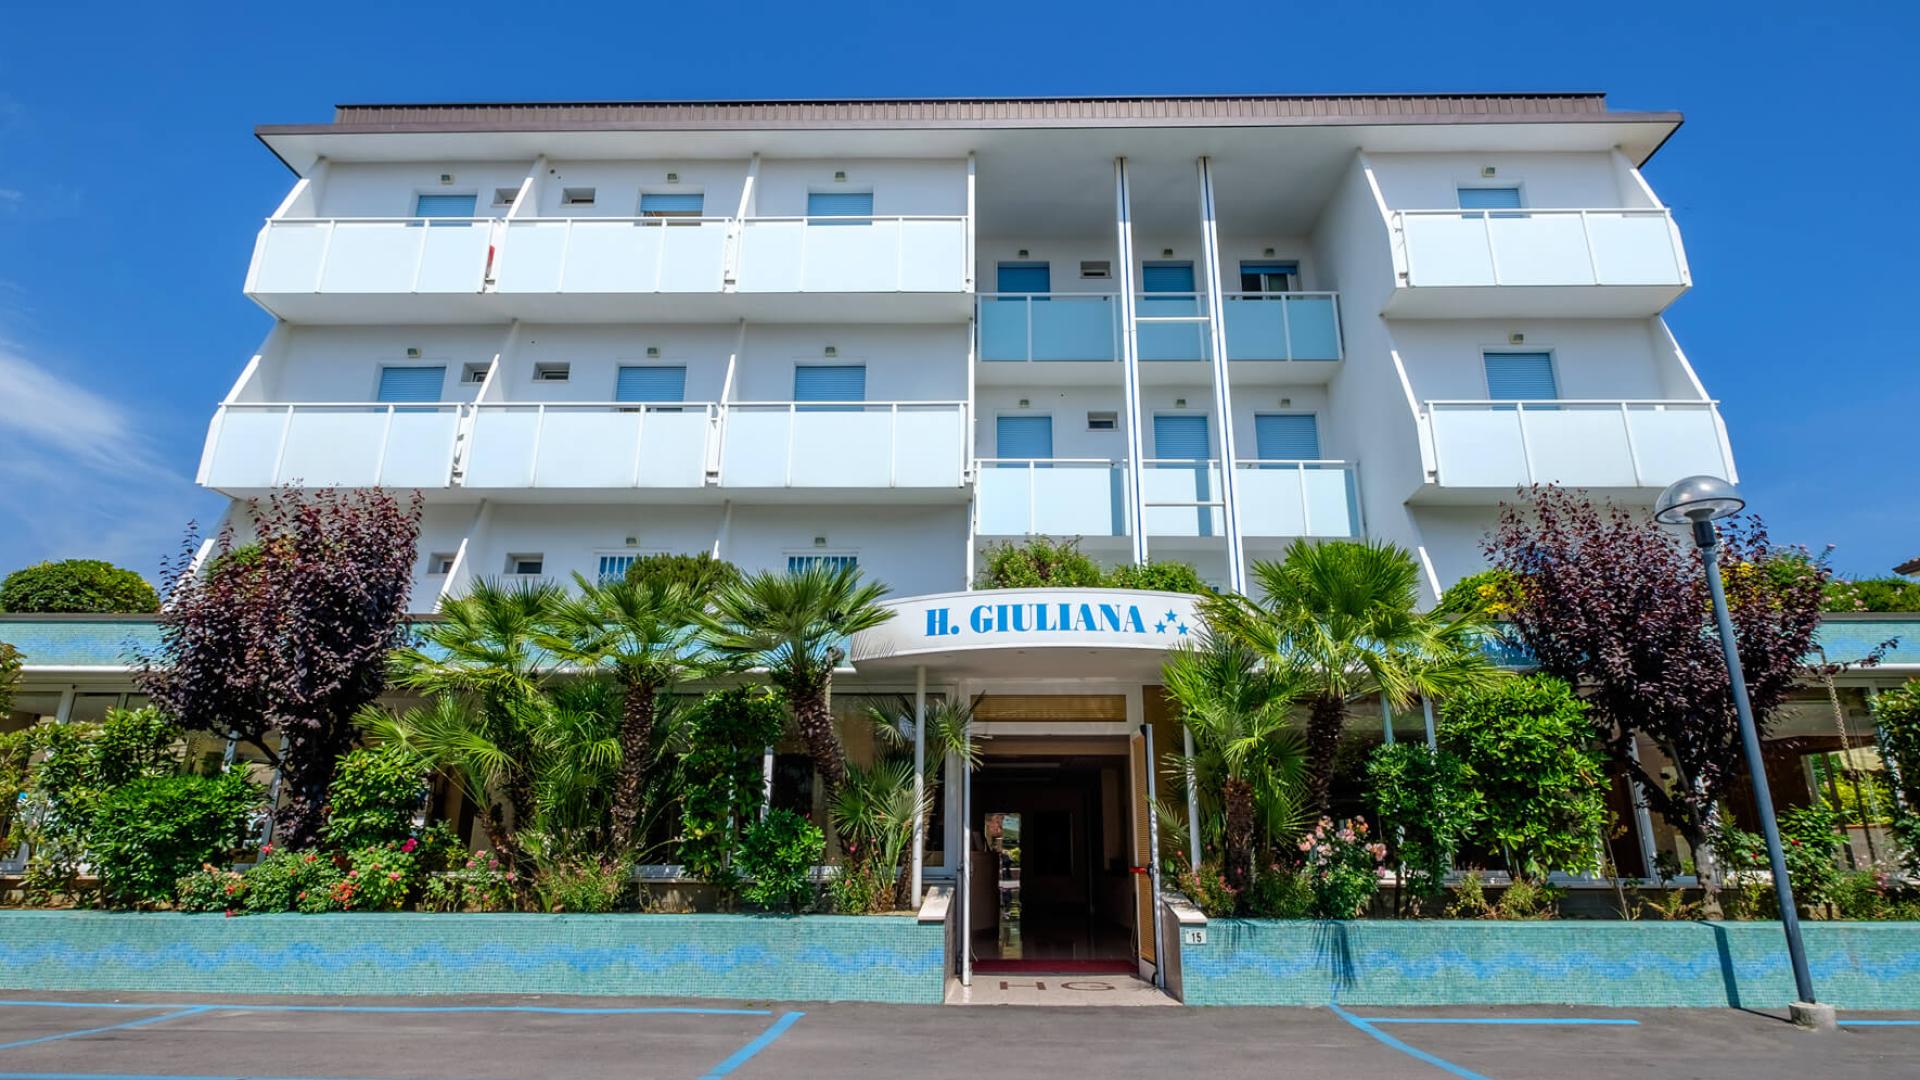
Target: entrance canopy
{"points": [[1031, 633]]}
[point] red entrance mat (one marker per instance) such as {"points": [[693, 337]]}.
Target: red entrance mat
{"points": [[1059, 966]]}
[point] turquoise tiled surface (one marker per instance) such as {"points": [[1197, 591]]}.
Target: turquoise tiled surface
{"points": [[1262, 962], [814, 958]]}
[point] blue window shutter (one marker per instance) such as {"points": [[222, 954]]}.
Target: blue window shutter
{"points": [[797, 563], [651, 384], [840, 204], [1167, 278], [456, 206], [1489, 198], [660, 204], [1181, 438], [1024, 278], [1023, 437], [1287, 436], [830, 382], [412, 384], [1520, 377]]}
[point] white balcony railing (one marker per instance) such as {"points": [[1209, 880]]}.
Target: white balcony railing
{"points": [[1183, 497], [333, 445], [598, 445], [1052, 497], [1086, 326], [612, 255], [601, 445], [1538, 247], [1599, 444], [854, 444], [372, 255], [1298, 498], [853, 254]]}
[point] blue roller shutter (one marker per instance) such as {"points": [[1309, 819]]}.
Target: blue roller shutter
{"points": [[1287, 436], [1024, 278], [672, 205], [840, 204], [1023, 437], [1181, 438], [651, 384], [1520, 377], [411, 384], [1489, 198], [452, 206], [829, 382]]}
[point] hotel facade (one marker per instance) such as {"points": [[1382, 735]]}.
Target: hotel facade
{"points": [[895, 334]]}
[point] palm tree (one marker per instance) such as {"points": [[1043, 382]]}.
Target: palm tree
{"points": [[1239, 711], [1341, 616], [949, 732], [645, 633], [483, 664], [873, 814], [796, 626]]}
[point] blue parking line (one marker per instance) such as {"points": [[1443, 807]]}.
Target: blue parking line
{"points": [[744, 1054], [142, 1022], [1415, 1052], [655, 1010], [1498, 1020], [143, 1076], [1879, 1023]]}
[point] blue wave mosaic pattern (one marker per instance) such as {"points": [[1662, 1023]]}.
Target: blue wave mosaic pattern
{"points": [[813, 958], [1265, 962]]}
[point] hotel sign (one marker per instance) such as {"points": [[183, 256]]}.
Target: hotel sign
{"points": [[1029, 618]]}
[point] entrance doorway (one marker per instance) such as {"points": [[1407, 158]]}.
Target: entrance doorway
{"points": [[1052, 887]]}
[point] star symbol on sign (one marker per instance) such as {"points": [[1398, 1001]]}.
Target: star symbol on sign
{"points": [[1183, 629], [1159, 628], [1173, 616]]}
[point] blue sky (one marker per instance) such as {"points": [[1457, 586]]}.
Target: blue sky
{"points": [[131, 188]]}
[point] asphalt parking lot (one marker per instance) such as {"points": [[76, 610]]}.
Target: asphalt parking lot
{"points": [[188, 1037]]}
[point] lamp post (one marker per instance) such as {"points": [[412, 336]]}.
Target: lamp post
{"points": [[1699, 501]]}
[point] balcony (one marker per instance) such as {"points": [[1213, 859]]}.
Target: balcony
{"points": [[1478, 450], [666, 452], [1571, 263], [1052, 497], [1183, 498], [254, 448], [1298, 498], [1082, 327], [611, 269]]}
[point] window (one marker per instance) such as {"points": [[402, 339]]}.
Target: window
{"points": [[475, 373], [830, 383], [651, 383], [1023, 437], [613, 565], [505, 196], [1489, 198], [552, 372], [797, 563], [675, 205], [440, 563], [411, 384], [857, 205], [1103, 421], [1286, 436], [526, 565], [1269, 277], [1167, 277], [444, 206], [1520, 376], [1096, 269], [1181, 438], [576, 196], [1024, 277]]}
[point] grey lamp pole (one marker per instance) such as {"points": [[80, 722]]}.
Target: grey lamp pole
{"points": [[1698, 501]]}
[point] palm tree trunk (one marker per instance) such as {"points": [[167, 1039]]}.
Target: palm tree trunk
{"points": [[1324, 724], [1236, 795], [815, 720], [636, 740]]}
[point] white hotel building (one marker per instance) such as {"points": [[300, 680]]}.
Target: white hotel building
{"points": [[901, 332]]}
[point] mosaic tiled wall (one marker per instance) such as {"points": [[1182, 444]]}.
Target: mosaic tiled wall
{"points": [[1257, 962], [816, 957]]}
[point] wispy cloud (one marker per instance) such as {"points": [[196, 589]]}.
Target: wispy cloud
{"points": [[79, 478]]}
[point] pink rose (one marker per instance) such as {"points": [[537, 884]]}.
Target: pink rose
{"points": [[409, 845]]}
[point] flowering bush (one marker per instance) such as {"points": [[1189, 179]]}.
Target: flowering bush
{"points": [[1280, 892], [290, 881], [1209, 891], [210, 889], [477, 883], [378, 878], [583, 885], [1343, 867]]}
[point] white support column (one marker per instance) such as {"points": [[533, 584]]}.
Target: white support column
{"points": [[1642, 820], [63, 712], [736, 229], [919, 779], [723, 537], [1386, 719], [972, 210], [1426, 710], [1222, 383], [766, 782], [1130, 360]]}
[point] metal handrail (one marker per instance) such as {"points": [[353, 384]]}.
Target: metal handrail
{"points": [[1487, 216], [1521, 409], [1451, 403]]}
